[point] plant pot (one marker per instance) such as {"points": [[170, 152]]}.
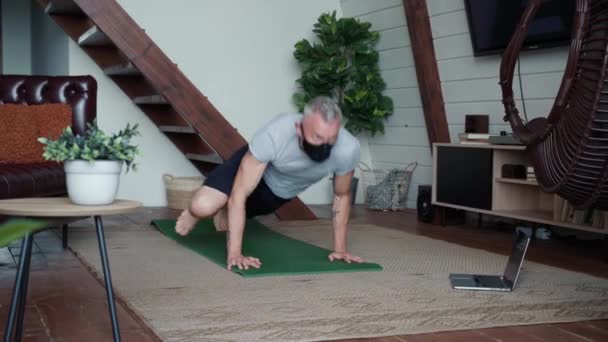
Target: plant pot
{"points": [[92, 183]]}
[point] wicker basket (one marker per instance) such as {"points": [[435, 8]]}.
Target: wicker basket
{"points": [[386, 189], [180, 190]]}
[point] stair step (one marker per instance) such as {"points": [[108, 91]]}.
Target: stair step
{"points": [[212, 158], [124, 69], [177, 129], [150, 99], [94, 37], [62, 7]]}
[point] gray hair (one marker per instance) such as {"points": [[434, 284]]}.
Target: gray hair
{"points": [[324, 105]]}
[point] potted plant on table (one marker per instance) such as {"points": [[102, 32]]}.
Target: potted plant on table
{"points": [[343, 64], [93, 162]]}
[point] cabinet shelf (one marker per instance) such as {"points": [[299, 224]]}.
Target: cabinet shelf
{"points": [[457, 169], [546, 216], [517, 181]]}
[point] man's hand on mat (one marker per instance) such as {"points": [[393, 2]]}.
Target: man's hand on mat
{"points": [[243, 262], [344, 256]]}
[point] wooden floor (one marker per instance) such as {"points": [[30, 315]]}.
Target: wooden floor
{"points": [[67, 303]]}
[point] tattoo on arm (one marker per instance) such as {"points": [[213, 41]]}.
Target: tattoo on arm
{"points": [[335, 211]]}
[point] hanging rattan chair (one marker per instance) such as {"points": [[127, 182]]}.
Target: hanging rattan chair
{"points": [[569, 148]]}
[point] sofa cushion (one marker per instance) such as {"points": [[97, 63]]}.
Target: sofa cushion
{"points": [[18, 132], [31, 180], [21, 125], [52, 118]]}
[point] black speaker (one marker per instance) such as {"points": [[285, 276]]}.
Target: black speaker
{"points": [[476, 123], [429, 213], [426, 210], [513, 171]]}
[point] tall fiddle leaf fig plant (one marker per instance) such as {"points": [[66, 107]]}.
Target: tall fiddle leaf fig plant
{"points": [[343, 64]]}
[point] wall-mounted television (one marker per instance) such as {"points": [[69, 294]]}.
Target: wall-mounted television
{"points": [[493, 22]]}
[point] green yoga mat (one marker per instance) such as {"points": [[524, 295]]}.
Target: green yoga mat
{"points": [[279, 254]]}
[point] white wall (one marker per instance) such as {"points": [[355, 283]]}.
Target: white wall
{"points": [[49, 45], [16, 55], [405, 139], [470, 84], [238, 53]]}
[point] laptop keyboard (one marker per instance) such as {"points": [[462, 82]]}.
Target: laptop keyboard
{"points": [[489, 281]]}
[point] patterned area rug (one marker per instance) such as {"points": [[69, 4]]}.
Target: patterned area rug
{"points": [[184, 297]]}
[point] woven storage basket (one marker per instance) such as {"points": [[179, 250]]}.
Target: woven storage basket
{"points": [[386, 189], [180, 190]]}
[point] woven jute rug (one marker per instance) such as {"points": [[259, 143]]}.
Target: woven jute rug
{"points": [[184, 297]]}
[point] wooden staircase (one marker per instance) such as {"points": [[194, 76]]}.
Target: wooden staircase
{"points": [[126, 54]]}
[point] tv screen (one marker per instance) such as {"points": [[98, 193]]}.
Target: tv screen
{"points": [[493, 22]]}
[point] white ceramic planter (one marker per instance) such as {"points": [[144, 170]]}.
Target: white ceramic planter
{"points": [[92, 183]]}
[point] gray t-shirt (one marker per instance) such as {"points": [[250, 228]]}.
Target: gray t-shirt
{"points": [[290, 171]]}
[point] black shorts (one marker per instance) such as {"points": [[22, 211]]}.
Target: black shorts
{"points": [[261, 201]]}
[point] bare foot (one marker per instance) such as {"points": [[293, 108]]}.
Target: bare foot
{"points": [[220, 220], [185, 223]]}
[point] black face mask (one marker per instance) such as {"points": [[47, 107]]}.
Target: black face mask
{"points": [[317, 153]]}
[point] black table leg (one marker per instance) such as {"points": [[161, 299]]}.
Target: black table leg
{"points": [[64, 236], [18, 289], [107, 277], [23, 295]]}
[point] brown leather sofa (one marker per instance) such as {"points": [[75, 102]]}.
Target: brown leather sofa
{"points": [[45, 178]]}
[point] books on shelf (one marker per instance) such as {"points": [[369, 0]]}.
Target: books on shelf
{"points": [[473, 142], [474, 138], [530, 174], [563, 211], [487, 138]]}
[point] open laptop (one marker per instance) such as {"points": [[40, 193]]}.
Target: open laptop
{"points": [[505, 282]]}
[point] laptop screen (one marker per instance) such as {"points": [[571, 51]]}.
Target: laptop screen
{"points": [[517, 257]]}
